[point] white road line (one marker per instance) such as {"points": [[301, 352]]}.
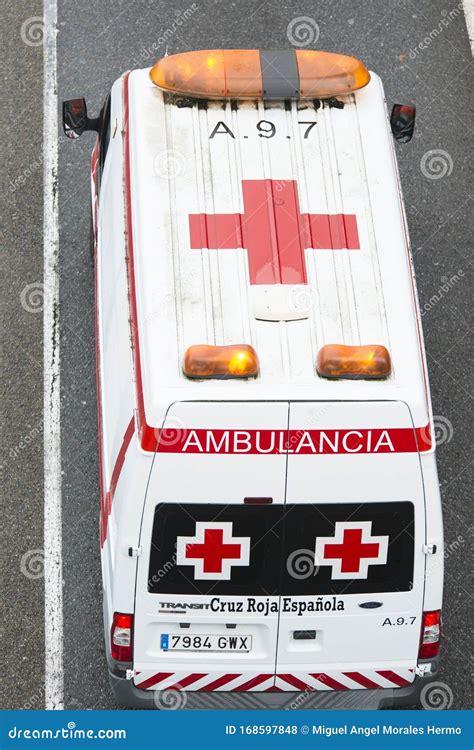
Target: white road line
{"points": [[53, 596], [468, 7]]}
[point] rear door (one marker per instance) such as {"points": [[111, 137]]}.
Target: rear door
{"points": [[353, 573], [207, 593]]}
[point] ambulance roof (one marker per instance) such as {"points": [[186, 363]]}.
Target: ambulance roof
{"points": [[242, 205]]}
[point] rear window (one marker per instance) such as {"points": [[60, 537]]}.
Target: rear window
{"points": [[272, 549], [261, 523], [307, 522]]}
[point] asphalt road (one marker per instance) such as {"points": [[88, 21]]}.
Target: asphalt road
{"points": [[96, 43], [22, 600]]}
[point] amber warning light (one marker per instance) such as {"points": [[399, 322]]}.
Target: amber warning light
{"points": [[371, 362], [206, 361], [251, 74]]}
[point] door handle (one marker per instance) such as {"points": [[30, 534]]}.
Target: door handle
{"points": [[370, 605], [304, 635]]}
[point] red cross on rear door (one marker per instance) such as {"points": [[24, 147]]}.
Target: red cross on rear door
{"points": [[213, 551], [274, 231], [351, 550]]}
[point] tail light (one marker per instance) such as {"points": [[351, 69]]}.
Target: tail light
{"points": [[121, 637], [430, 634]]}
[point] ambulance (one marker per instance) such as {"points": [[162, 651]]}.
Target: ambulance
{"points": [[270, 515]]}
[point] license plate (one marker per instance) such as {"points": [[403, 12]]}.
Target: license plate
{"points": [[172, 642]]}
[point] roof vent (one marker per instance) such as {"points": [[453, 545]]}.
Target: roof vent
{"points": [[282, 301]]}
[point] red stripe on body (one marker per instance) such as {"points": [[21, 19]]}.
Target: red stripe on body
{"points": [[295, 682], [219, 682], [106, 497], [187, 681], [393, 677], [154, 680], [325, 442], [423, 438], [362, 680], [119, 462], [148, 436], [329, 681], [411, 274], [253, 682], [103, 494]]}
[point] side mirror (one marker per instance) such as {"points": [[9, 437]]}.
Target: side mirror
{"points": [[402, 122], [75, 119]]}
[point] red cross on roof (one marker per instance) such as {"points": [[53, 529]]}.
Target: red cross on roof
{"points": [[274, 231]]}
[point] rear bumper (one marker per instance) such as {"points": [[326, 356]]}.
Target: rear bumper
{"points": [[126, 694]]}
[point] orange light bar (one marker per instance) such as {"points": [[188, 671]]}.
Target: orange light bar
{"points": [[249, 74], [210, 74], [354, 362], [242, 73], [235, 361], [324, 74]]}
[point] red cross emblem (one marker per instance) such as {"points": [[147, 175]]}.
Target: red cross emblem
{"points": [[351, 550], [274, 231], [213, 550]]}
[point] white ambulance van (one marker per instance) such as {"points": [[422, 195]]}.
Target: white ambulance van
{"points": [[270, 517]]}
